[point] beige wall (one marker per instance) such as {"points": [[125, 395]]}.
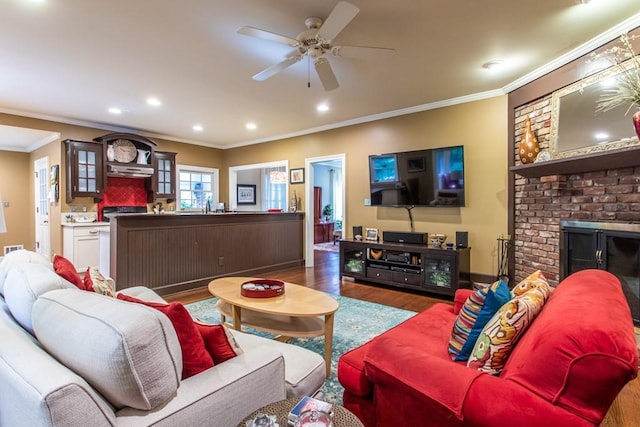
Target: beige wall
{"points": [[14, 180], [480, 126]]}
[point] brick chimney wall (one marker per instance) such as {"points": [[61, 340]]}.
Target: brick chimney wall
{"points": [[541, 203]]}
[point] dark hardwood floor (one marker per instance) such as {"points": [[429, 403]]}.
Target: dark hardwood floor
{"points": [[325, 276]]}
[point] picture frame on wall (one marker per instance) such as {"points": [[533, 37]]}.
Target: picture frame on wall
{"points": [[55, 183], [296, 176], [246, 194]]}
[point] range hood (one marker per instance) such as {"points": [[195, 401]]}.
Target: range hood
{"points": [[131, 171]]}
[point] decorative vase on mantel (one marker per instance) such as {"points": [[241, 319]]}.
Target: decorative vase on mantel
{"points": [[528, 149], [636, 122]]}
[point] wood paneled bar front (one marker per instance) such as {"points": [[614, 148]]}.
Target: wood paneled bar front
{"points": [[177, 252]]}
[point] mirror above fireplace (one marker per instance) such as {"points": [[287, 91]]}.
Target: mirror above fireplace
{"points": [[576, 127]]}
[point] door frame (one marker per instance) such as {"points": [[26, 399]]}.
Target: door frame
{"points": [[308, 200], [42, 244]]}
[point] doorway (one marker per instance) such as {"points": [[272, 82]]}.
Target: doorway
{"points": [[42, 188], [327, 206]]}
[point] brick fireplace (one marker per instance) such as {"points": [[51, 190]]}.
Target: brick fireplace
{"points": [[610, 195]]}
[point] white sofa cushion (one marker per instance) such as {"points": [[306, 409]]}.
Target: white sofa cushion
{"points": [[20, 257], [128, 352], [24, 284], [305, 370]]}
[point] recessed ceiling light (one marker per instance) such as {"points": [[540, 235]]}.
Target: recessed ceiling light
{"points": [[323, 108], [493, 65], [251, 126], [601, 136], [115, 110], [198, 128], [585, 2], [154, 101]]}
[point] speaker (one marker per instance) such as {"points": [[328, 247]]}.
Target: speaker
{"points": [[405, 237], [462, 239], [357, 231]]}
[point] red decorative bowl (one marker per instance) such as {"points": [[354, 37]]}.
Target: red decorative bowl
{"points": [[262, 288]]}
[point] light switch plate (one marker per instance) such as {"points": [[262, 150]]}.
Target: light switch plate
{"points": [[367, 202], [5, 204]]}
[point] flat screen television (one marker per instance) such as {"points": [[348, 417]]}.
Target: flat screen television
{"points": [[431, 177]]}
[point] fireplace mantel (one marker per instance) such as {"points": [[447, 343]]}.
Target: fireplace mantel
{"points": [[613, 159]]}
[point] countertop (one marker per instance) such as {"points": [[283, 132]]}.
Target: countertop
{"points": [[85, 224]]}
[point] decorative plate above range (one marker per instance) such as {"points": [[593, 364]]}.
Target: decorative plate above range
{"points": [[125, 151]]}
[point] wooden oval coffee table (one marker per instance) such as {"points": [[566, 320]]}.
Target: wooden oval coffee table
{"points": [[299, 312]]}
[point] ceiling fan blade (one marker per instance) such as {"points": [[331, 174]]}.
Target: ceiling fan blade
{"points": [[275, 69], [340, 16], [328, 79], [267, 35], [362, 52]]}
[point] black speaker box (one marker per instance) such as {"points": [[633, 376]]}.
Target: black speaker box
{"points": [[462, 239], [404, 237]]}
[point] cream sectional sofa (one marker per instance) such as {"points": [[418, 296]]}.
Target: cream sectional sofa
{"points": [[75, 358]]}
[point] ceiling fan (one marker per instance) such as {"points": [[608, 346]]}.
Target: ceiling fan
{"points": [[315, 43]]}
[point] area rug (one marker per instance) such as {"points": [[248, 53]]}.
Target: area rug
{"points": [[327, 247], [355, 323]]}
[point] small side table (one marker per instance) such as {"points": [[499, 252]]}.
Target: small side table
{"points": [[342, 417]]}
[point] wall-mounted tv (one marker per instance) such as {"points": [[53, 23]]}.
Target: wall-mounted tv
{"points": [[431, 177]]}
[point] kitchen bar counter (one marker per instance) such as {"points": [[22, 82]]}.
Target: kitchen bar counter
{"points": [[177, 252]]}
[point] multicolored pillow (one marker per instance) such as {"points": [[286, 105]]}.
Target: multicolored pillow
{"points": [[534, 280], [474, 314], [500, 334], [99, 284]]}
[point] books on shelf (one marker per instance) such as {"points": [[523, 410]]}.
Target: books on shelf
{"points": [[308, 404]]}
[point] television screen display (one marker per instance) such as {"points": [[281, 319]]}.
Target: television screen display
{"points": [[431, 177]]}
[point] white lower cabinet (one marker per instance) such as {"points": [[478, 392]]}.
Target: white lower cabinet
{"points": [[81, 245]]}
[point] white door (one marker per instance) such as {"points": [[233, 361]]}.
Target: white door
{"points": [[42, 184]]}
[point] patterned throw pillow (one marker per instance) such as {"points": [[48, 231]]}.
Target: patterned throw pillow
{"points": [[474, 314], [534, 280], [500, 334], [95, 281]]}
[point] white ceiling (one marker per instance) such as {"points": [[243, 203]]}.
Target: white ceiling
{"points": [[71, 60]]}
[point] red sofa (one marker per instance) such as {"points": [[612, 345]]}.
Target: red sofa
{"points": [[566, 369]]}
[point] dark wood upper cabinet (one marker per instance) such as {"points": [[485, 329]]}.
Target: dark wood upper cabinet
{"points": [[85, 169], [164, 179]]}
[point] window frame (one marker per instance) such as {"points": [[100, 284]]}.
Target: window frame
{"points": [[215, 184]]}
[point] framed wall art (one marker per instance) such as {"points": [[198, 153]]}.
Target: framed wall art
{"points": [[296, 176], [246, 194]]}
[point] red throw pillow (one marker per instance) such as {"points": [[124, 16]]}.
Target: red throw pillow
{"points": [[66, 270], [220, 346], [195, 357]]}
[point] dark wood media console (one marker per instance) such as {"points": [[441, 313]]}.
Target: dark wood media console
{"points": [[172, 253], [417, 267]]}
